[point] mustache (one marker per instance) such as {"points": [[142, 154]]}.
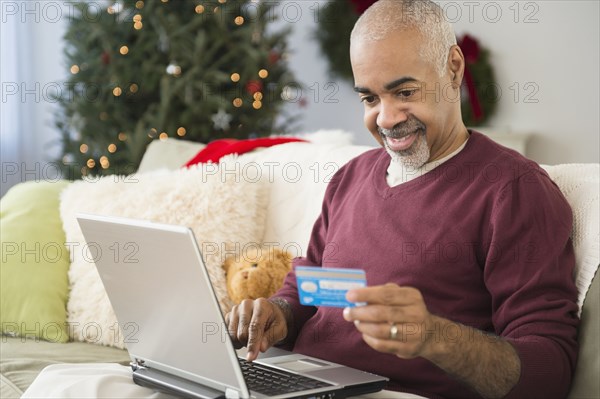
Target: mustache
{"points": [[402, 129]]}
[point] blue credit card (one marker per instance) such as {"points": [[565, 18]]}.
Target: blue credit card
{"points": [[319, 286]]}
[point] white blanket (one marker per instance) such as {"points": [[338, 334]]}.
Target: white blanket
{"points": [[109, 380]]}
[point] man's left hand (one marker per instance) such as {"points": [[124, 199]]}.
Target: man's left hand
{"points": [[394, 319]]}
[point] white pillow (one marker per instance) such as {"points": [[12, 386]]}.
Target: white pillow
{"points": [[169, 154], [580, 184], [221, 211]]}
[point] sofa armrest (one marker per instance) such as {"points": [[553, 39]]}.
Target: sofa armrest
{"points": [[585, 381]]}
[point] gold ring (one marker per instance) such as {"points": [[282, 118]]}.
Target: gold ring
{"points": [[393, 331]]}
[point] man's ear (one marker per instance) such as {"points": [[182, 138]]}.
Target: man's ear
{"points": [[456, 65]]}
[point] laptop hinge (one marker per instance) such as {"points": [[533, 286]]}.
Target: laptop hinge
{"points": [[137, 364]]}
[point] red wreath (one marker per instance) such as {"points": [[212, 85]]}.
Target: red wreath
{"points": [[470, 48]]}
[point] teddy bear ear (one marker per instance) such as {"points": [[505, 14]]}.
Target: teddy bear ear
{"points": [[283, 256]]}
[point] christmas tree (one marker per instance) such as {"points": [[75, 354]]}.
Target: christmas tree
{"points": [[158, 69]]}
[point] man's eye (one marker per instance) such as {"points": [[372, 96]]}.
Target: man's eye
{"points": [[407, 93], [368, 99]]}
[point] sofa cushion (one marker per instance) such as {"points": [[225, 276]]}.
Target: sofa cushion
{"points": [[33, 273], [225, 212], [585, 381]]}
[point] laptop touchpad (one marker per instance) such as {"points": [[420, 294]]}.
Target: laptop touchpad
{"points": [[302, 365]]}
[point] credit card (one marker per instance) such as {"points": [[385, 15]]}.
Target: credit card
{"points": [[319, 286]]}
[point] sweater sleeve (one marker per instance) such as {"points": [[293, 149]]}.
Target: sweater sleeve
{"points": [[529, 274], [314, 256]]}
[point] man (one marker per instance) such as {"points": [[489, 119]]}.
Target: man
{"points": [[465, 243]]}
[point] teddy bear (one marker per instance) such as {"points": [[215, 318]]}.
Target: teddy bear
{"points": [[257, 273]]}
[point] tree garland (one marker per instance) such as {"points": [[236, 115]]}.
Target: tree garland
{"points": [[479, 93]]}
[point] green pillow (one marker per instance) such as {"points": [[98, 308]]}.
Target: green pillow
{"points": [[35, 262]]}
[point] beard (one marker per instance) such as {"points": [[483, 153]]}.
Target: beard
{"points": [[418, 153]]}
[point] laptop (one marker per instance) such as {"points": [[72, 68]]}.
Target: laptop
{"points": [[159, 288]]}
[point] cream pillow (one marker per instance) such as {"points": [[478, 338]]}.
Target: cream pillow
{"points": [[580, 184], [223, 210], [169, 154]]}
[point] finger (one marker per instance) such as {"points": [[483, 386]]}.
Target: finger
{"points": [[404, 332], [388, 294], [375, 330], [244, 315], [231, 323], [256, 330], [384, 314], [381, 345], [405, 350]]}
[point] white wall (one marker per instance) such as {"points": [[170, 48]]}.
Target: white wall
{"points": [[553, 59], [558, 53]]}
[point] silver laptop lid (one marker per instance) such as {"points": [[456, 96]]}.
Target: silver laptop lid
{"points": [[137, 251]]}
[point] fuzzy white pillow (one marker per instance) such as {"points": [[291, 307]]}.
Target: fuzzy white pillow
{"points": [[580, 184], [220, 208]]}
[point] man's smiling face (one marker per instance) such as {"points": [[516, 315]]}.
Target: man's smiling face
{"points": [[409, 109]]}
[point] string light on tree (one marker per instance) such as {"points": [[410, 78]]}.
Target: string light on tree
{"points": [[173, 69], [124, 50], [137, 22], [104, 163], [263, 73], [199, 9], [74, 69], [181, 131]]}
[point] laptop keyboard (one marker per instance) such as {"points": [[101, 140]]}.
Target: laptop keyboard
{"points": [[270, 381]]}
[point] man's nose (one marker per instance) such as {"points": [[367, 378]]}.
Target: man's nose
{"points": [[390, 115]]}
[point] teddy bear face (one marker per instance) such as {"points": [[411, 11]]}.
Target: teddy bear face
{"points": [[258, 275]]}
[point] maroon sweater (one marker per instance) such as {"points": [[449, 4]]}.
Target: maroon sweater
{"points": [[484, 237]]}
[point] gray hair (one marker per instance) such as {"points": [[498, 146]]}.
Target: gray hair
{"points": [[386, 16]]}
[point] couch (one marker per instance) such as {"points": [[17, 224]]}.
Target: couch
{"points": [[292, 182]]}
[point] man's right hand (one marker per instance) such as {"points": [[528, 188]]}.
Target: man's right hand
{"points": [[257, 324]]}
